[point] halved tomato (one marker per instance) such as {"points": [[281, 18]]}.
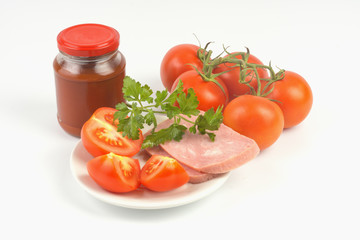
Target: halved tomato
{"points": [[162, 173], [100, 136], [115, 173]]}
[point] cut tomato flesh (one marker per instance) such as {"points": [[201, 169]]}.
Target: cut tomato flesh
{"points": [[161, 173], [115, 173], [123, 167], [154, 165], [107, 134], [109, 137], [100, 136]]}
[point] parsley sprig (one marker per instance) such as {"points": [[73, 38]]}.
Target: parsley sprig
{"points": [[141, 106]]}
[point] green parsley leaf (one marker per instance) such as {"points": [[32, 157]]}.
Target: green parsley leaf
{"points": [[174, 132], [122, 112], [160, 97], [170, 110], [211, 136], [192, 129], [188, 103], [211, 120], [174, 95], [129, 126], [150, 118], [133, 91]]}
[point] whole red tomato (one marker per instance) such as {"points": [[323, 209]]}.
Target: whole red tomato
{"points": [[231, 78], [177, 61], [255, 117], [208, 93], [294, 97]]}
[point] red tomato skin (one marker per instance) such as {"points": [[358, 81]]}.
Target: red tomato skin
{"points": [[176, 61], [89, 145], [165, 178], [295, 98], [255, 117], [208, 94], [93, 145], [103, 171], [231, 78]]}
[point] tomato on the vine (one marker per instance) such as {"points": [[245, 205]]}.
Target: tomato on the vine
{"points": [[115, 173], [177, 61], [210, 93], [162, 173], [99, 135], [255, 117], [294, 96], [231, 78]]}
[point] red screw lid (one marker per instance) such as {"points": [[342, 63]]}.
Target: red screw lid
{"points": [[88, 40]]}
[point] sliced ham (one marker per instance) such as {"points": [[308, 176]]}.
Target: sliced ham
{"points": [[229, 150], [195, 176]]}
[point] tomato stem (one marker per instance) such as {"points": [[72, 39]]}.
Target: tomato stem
{"points": [[246, 69]]}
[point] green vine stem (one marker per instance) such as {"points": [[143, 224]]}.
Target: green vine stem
{"points": [[246, 69]]}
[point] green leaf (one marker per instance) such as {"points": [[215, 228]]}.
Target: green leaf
{"points": [[136, 123], [211, 136], [134, 91], [131, 125], [145, 94], [211, 120], [188, 103], [120, 115], [131, 89], [174, 95], [123, 111], [121, 106], [160, 97], [192, 129], [174, 132], [214, 119], [170, 110], [150, 118]]}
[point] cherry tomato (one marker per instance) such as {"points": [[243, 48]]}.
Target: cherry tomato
{"points": [[209, 94], [100, 136], [176, 61], [162, 173], [255, 117], [231, 78], [295, 98], [115, 173]]}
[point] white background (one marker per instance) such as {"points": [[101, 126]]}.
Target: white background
{"points": [[306, 186]]}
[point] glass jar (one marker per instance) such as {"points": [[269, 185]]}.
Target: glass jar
{"points": [[89, 72]]}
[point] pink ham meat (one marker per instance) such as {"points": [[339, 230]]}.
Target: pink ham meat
{"points": [[229, 150], [195, 176]]}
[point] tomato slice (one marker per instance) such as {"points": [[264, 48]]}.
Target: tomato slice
{"points": [[100, 136], [115, 173], [162, 173]]}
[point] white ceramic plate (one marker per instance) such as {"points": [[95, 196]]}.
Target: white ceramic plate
{"points": [[141, 198]]}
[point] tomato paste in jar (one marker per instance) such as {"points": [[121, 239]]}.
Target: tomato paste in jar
{"points": [[89, 73]]}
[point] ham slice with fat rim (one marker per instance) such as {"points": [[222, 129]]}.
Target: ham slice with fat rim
{"points": [[229, 150]]}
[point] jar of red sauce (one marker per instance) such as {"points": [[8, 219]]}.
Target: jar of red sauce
{"points": [[89, 72]]}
